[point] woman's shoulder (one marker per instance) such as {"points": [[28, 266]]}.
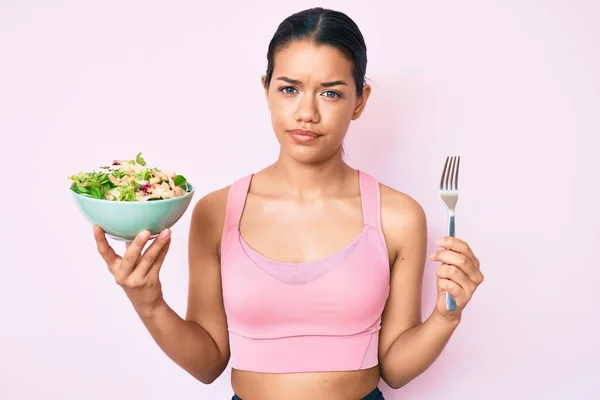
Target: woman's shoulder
{"points": [[209, 211], [396, 201], [211, 208], [400, 213], [212, 202], [208, 216]]}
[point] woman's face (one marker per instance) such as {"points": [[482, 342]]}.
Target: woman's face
{"points": [[312, 98]]}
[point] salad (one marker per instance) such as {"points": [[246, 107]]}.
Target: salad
{"points": [[129, 180]]}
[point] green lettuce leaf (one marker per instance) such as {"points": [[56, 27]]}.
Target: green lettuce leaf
{"points": [[179, 180]]}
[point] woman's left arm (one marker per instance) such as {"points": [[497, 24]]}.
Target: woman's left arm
{"points": [[408, 345]]}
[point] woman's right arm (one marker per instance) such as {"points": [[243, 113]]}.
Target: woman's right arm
{"points": [[198, 343]]}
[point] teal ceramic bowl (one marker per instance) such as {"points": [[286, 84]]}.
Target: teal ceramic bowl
{"points": [[124, 220]]}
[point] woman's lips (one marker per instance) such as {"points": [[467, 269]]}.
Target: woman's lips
{"points": [[303, 136]]}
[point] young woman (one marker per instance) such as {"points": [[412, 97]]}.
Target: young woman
{"points": [[306, 275]]}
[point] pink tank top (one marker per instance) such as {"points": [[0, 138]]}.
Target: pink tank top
{"points": [[305, 317]]}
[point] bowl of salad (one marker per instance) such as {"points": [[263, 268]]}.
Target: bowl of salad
{"points": [[128, 197]]}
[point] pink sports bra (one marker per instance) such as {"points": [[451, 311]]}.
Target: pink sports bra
{"points": [[305, 317]]}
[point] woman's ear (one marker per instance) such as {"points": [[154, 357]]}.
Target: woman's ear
{"points": [[263, 80], [361, 102]]}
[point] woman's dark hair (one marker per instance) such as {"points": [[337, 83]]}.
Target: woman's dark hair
{"points": [[326, 27]]}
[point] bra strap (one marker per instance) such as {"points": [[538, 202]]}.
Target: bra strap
{"points": [[371, 200], [236, 200]]}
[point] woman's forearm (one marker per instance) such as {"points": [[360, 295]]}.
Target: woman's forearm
{"points": [[415, 350], [186, 343]]}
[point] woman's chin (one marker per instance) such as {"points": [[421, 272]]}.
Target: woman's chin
{"points": [[308, 154]]}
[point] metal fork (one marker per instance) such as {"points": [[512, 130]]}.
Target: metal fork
{"points": [[449, 194]]}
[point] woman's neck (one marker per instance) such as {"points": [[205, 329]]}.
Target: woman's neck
{"points": [[308, 180]]}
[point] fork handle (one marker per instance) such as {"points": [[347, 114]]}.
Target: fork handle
{"points": [[450, 302]]}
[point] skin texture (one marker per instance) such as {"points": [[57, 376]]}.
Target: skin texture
{"points": [[313, 196]]}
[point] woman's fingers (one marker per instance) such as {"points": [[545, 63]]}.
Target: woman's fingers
{"points": [[133, 253], [456, 275], [154, 256], [153, 274], [134, 267], [106, 251]]}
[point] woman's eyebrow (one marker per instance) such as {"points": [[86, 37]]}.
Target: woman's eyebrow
{"points": [[297, 82], [334, 83], [289, 80]]}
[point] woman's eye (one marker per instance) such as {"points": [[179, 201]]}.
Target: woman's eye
{"points": [[331, 93], [288, 90]]}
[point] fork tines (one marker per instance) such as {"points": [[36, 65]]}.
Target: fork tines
{"points": [[449, 179]]}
